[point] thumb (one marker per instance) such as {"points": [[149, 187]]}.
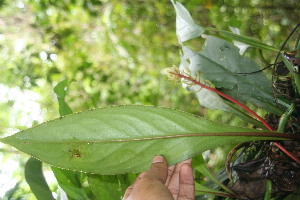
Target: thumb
{"points": [[158, 169]]}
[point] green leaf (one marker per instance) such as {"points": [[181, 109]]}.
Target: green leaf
{"points": [[296, 77], [10, 193], [243, 39], [205, 97], [203, 190], [70, 182], [199, 164], [61, 90], [186, 28], [123, 139], [110, 186], [35, 179], [220, 63]]}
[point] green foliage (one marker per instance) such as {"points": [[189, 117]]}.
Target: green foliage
{"points": [[110, 186], [60, 91], [70, 182], [122, 134], [200, 165], [35, 178], [113, 51]]}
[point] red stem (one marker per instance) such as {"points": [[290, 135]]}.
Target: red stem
{"points": [[244, 107]]}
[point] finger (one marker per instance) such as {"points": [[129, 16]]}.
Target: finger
{"points": [[131, 187], [174, 182], [170, 173], [158, 169], [186, 183]]}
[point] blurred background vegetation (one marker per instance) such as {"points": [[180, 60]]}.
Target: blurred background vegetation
{"points": [[113, 52]]}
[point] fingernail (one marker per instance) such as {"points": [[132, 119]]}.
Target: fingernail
{"points": [[158, 159]]}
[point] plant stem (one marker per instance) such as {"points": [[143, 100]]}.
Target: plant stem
{"points": [[285, 117], [244, 107]]}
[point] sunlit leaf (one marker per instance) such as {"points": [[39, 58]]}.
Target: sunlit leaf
{"points": [[69, 181], [242, 46], [60, 90], [125, 138], [36, 180], [186, 28]]}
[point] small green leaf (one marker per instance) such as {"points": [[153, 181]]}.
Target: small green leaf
{"points": [[60, 91], [35, 179], [70, 182], [123, 139], [243, 39], [296, 77], [203, 190], [199, 164], [110, 186], [10, 193], [186, 28]]}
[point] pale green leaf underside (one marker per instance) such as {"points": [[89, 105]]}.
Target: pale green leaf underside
{"points": [[123, 139], [221, 63], [186, 28]]}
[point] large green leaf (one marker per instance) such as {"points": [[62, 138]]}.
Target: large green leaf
{"points": [[221, 63], [125, 138], [36, 180]]}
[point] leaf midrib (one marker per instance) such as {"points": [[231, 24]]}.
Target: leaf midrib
{"points": [[275, 135]]}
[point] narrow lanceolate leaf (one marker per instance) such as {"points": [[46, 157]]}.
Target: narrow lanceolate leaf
{"points": [[36, 180], [200, 165], [243, 39], [124, 139]]}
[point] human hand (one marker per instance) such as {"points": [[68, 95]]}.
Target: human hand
{"points": [[162, 182]]}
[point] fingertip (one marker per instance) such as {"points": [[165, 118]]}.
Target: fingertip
{"points": [[158, 159], [186, 173], [186, 168]]}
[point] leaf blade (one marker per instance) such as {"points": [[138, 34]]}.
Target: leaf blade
{"points": [[36, 180], [186, 28], [220, 63], [124, 139]]}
